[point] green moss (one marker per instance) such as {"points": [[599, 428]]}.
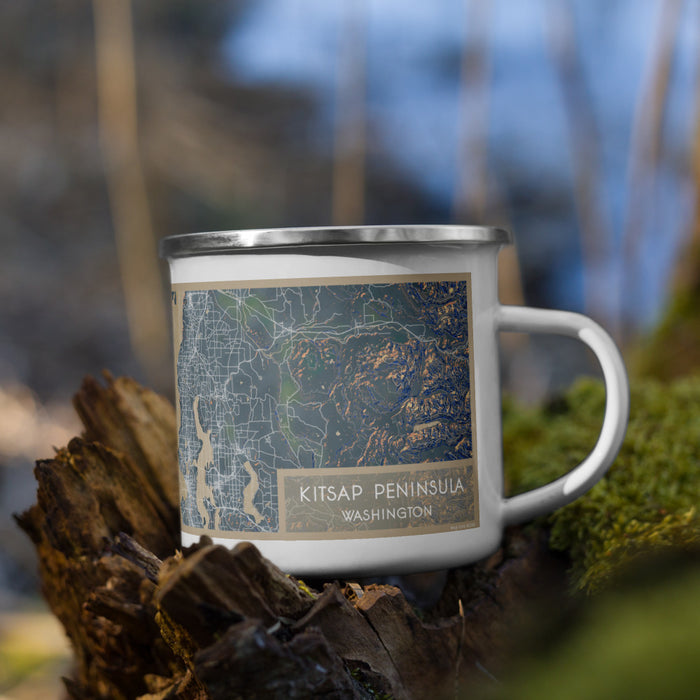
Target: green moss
{"points": [[648, 499], [304, 588], [639, 641], [672, 349]]}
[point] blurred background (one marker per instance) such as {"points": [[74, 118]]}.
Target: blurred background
{"points": [[576, 123]]}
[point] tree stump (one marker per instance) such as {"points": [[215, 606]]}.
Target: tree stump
{"points": [[147, 620]]}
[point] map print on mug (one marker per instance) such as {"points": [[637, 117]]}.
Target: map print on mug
{"points": [[326, 408], [339, 397]]}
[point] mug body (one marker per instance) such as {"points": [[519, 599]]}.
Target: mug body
{"points": [[338, 395]]}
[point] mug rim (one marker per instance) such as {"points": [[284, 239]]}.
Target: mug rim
{"points": [[220, 242]]}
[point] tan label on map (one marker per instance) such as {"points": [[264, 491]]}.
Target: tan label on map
{"points": [[377, 501]]}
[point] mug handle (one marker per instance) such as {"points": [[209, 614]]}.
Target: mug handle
{"points": [[567, 488]]}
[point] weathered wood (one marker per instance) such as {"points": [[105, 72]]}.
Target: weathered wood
{"points": [[213, 587], [87, 494], [149, 621], [354, 640], [249, 662], [140, 425]]}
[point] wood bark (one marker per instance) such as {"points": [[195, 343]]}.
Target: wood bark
{"points": [[148, 620]]}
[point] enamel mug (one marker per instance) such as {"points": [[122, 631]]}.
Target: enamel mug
{"points": [[338, 395]]}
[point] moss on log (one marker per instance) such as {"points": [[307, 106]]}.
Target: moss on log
{"points": [[649, 499], [149, 621]]}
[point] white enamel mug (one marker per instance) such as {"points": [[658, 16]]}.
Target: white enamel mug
{"points": [[338, 395]]}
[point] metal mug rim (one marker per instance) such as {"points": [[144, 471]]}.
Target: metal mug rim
{"points": [[221, 242]]}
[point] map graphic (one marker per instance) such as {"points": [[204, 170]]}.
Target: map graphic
{"points": [[315, 377]]}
